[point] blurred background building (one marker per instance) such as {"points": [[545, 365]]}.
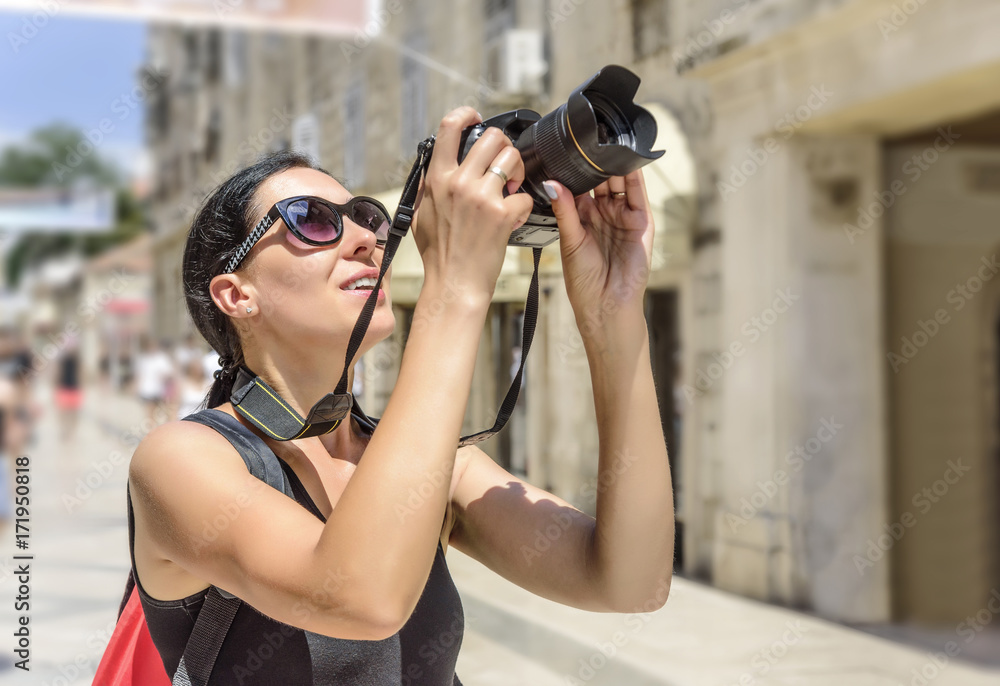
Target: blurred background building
{"points": [[824, 321]]}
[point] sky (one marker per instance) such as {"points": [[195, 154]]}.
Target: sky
{"points": [[76, 70]]}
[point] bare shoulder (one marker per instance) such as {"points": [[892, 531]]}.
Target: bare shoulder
{"points": [[179, 449], [181, 467]]}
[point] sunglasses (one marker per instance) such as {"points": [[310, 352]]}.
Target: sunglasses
{"points": [[316, 221]]}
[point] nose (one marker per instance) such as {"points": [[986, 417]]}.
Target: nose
{"points": [[357, 239]]}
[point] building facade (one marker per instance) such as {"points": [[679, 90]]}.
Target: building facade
{"points": [[822, 312]]}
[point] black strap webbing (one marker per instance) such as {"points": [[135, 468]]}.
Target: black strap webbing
{"points": [[528, 332], [207, 636]]}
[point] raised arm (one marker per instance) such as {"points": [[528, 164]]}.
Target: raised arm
{"points": [[622, 562]]}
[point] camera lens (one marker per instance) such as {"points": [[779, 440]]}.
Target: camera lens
{"points": [[612, 126], [598, 133]]}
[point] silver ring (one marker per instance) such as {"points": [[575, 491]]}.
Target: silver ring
{"points": [[499, 172]]}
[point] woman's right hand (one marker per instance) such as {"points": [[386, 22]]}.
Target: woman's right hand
{"points": [[463, 222]]}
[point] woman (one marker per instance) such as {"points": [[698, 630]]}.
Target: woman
{"points": [[366, 564]]}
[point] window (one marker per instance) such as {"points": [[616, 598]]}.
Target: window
{"points": [[316, 89], [500, 18], [236, 58], [650, 27], [354, 134], [213, 56], [213, 136]]}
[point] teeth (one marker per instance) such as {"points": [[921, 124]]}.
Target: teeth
{"points": [[365, 281]]}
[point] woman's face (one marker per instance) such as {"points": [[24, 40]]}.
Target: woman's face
{"points": [[301, 291]]}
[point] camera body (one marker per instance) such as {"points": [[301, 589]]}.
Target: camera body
{"points": [[598, 133]]}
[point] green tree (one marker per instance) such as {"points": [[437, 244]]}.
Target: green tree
{"points": [[59, 155]]}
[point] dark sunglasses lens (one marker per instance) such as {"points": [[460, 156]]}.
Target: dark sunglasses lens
{"points": [[368, 215], [315, 221]]}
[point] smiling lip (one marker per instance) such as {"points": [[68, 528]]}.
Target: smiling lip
{"points": [[371, 273], [366, 292]]}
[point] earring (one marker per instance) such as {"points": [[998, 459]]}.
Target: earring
{"points": [[249, 309]]}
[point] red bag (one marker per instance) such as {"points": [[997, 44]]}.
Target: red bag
{"points": [[131, 659]]}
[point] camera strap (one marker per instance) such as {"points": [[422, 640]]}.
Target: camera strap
{"points": [[264, 408]]}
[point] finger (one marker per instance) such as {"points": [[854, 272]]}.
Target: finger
{"points": [[635, 191], [483, 152], [449, 138], [616, 184], [586, 209], [519, 206], [509, 161], [602, 191], [571, 232]]}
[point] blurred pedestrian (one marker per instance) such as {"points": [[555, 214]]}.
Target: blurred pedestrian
{"points": [[186, 351], [7, 401], [153, 369], [69, 393], [212, 363], [194, 387]]}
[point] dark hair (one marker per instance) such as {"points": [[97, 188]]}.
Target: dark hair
{"points": [[219, 227]]}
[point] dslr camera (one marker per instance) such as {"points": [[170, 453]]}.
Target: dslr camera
{"points": [[598, 133]]}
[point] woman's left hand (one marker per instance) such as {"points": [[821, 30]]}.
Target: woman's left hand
{"points": [[607, 244]]}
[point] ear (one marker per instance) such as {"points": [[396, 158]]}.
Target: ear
{"points": [[232, 296]]}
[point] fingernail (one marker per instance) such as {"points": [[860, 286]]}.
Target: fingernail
{"points": [[550, 190]]}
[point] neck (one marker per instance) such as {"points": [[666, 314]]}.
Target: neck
{"points": [[302, 381]]}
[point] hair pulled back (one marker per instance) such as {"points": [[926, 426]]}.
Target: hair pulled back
{"points": [[219, 227]]}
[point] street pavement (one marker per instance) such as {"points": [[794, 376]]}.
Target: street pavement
{"points": [[702, 637]]}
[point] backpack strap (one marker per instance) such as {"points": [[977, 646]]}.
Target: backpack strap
{"points": [[259, 459], [220, 607]]}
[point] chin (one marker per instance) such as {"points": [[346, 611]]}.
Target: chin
{"points": [[382, 325]]}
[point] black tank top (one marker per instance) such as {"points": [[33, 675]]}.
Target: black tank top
{"points": [[260, 651]]}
